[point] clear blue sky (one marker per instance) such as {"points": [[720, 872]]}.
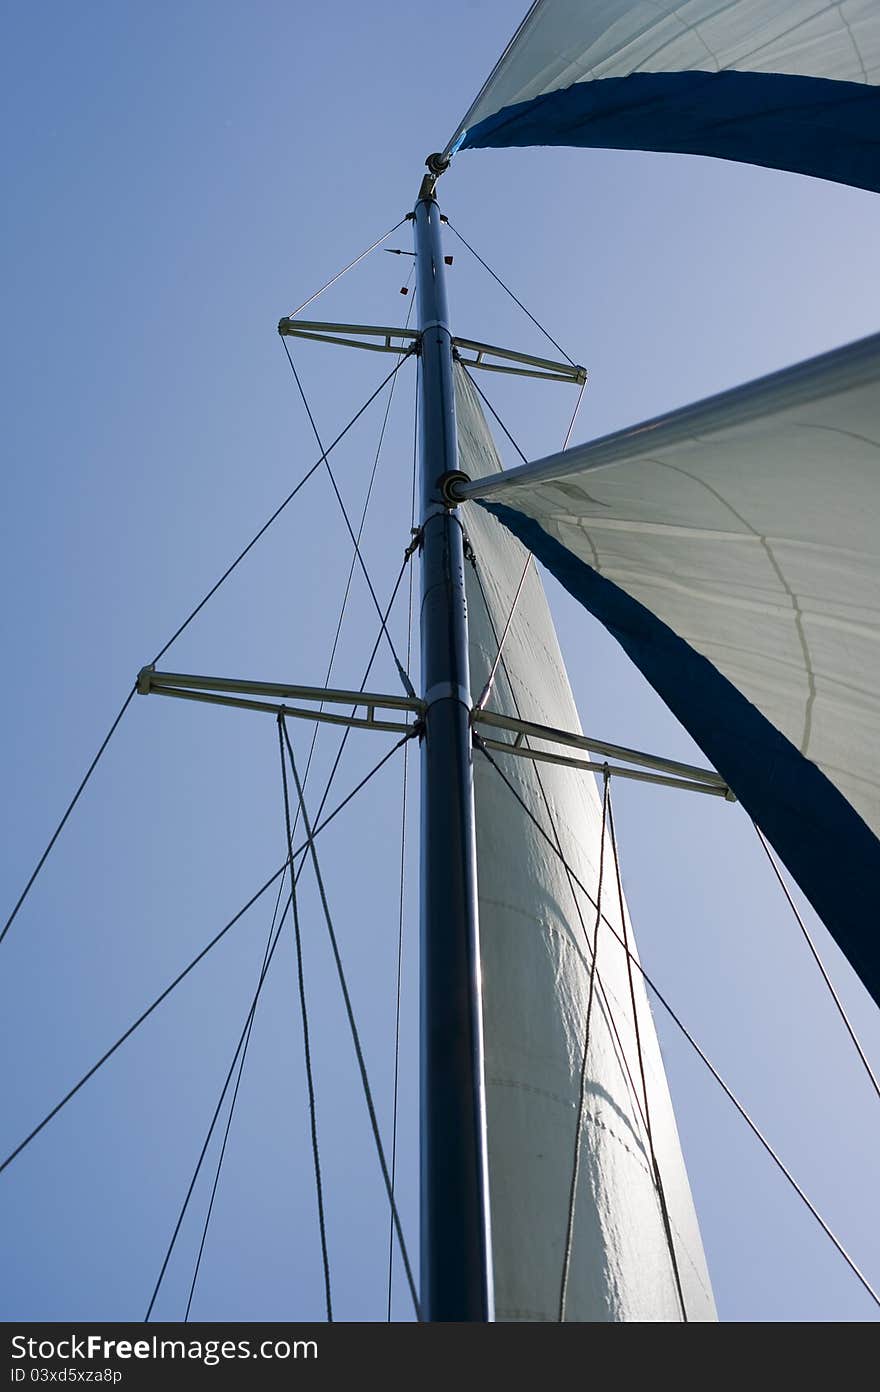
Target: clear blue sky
{"points": [[177, 177]]}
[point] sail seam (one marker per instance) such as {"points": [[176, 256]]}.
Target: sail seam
{"points": [[756, 1132], [552, 818], [798, 615]]}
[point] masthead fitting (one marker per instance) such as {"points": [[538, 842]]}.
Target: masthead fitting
{"points": [[437, 164]]}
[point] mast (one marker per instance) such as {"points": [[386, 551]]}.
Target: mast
{"points": [[456, 1262]]}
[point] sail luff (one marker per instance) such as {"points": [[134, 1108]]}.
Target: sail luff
{"points": [[536, 927]]}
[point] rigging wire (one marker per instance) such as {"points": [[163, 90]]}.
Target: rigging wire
{"points": [[340, 751], [195, 961], [229, 1117], [609, 1014], [349, 1010], [753, 1127], [603, 995], [486, 402], [277, 513], [357, 550], [487, 689], [818, 960], [187, 621], [335, 644], [238, 1048], [574, 416], [582, 1089], [490, 680], [319, 827], [351, 264], [304, 1015], [508, 290], [70, 806], [661, 1192], [395, 1090]]}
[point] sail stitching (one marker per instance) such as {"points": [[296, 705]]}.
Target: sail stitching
{"points": [[795, 604], [654, 1172], [661, 1192], [637, 1155], [620, 1051], [569, 944], [731, 1096], [576, 1163]]}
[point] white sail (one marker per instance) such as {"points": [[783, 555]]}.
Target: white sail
{"points": [[790, 84], [535, 937], [748, 524], [562, 42], [739, 536]]}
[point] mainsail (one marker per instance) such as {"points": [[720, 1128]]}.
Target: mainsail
{"points": [[790, 84], [536, 927]]}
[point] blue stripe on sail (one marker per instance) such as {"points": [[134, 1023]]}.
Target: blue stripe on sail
{"points": [[812, 125], [829, 850]]}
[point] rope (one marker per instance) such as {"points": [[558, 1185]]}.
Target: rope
{"points": [[574, 415], [246, 1030], [357, 550], [694, 1045], [486, 402], [316, 728], [277, 513], [363, 684], [231, 1070], [195, 961], [365, 1082], [487, 689], [187, 621], [508, 290], [70, 806], [819, 963], [409, 627], [318, 828], [621, 1052], [661, 1192], [229, 1117], [304, 1014], [340, 274], [642, 1109], [582, 1095]]}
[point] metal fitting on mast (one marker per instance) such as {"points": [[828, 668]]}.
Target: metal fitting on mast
{"points": [[449, 485], [437, 164]]}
